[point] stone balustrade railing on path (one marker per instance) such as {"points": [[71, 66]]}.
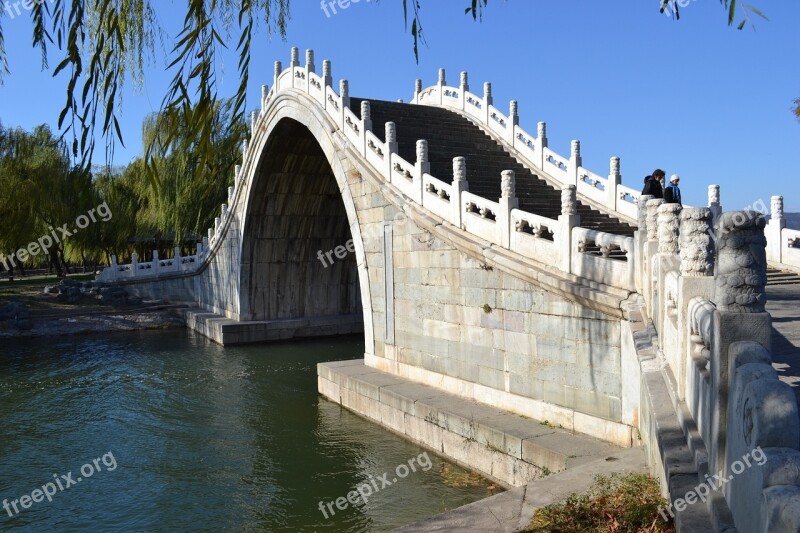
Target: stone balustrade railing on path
{"points": [[698, 274], [703, 279]]}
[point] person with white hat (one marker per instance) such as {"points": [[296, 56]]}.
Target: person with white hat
{"points": [[672, 193]]}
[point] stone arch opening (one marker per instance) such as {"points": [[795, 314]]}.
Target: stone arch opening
{"points": [[296, 221]]}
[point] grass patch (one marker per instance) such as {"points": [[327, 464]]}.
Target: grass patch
{"points": [[621, 503]]}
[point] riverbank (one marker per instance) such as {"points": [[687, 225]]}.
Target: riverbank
{"points": [[36, 309]]}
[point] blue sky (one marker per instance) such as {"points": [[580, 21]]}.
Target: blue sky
{"points": [[694, 97]]}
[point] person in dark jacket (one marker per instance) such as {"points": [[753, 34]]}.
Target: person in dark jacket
{"points": [[653, 185], [672, 193]]}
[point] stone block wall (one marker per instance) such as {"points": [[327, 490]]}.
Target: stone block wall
{"points": [[456, 323]]}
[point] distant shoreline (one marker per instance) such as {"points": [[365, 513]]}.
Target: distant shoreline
{"points": [[82, 324]]}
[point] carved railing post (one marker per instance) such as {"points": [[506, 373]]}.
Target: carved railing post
{"points": [[652, 219], [774, 231], [640, 243], [459, 186], [508, 201], [156, 264], [667, 261], [293, 63], [114, 267], [344, 94], [740, 296], [568, 220], [264, 96], [696, 242], [613, 183], [714, 204], [574, 161], [327, 76], [741, 263], [541, 142], [231, 193], [391, 148], [311, 68], [669, 228], [440, 83], [134, 264], [488, 101], [277, 76], [651, 250], [513, 121], [366, 124], [463, 89], [421, 167], [417, 90], [695, 281]]}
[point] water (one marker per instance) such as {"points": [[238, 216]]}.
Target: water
{"points": [[192, 436]]}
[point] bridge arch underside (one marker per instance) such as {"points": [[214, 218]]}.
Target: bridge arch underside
{"points": [[296, 215]]}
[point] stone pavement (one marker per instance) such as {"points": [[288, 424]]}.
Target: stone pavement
{"points": [[513, 510], [783, 303]]}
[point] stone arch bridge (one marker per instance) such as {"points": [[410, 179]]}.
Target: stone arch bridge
{"points": [[479, 262]]}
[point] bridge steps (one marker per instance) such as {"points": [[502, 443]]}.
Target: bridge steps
{"points": [[450, 135], [782, 277], [509, 448]]}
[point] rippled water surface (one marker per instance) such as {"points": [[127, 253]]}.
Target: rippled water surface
{"points": [[200, 438]]}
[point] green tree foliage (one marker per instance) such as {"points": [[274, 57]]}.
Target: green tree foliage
{"points": [[40, 190]]}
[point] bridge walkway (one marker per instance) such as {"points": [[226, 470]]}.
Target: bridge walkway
{"points": [[450, 135], [783, 303]]}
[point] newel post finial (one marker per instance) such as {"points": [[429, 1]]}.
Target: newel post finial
{"points": [[421, 167], [513, 113], [459, 186], [569, 200], [714, 203], [442, 80], [614, 166], [508, 184], [295, 61], [264, 96], [776, 207], [253, 118], [366, 114], [391, 132], [276, 75], [344, 93], [417, 90], [614, 181], [327, 77], [487, 94], [310, 67], [391, 148], [508, 201], [465, 81], [575, 161]]}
